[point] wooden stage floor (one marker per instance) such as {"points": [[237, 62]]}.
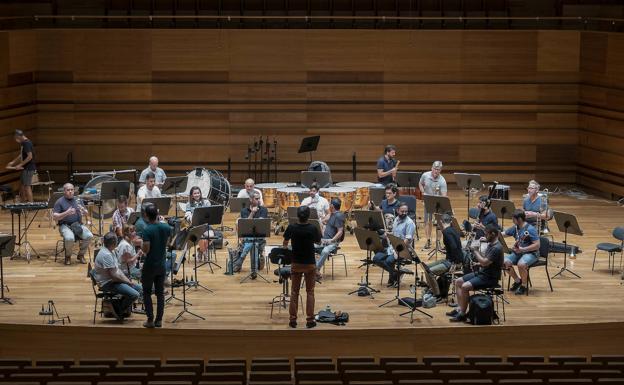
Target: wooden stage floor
{"points": [[597, 297]]}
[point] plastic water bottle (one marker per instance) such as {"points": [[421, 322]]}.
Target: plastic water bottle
{"points": [[328, 308]]}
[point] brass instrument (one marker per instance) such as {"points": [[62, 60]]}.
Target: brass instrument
{"points": [[544, 209]]}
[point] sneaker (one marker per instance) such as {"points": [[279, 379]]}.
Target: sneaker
{"points": [[310, 324], [149, 324], [521, 290], [82, 259], [452, 313], [458, 318], [427, 244], [293, 324], [515, 286], [319, 277], [158, 324], [67, 261]]}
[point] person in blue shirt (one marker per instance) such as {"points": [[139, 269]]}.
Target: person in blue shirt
{"points": [[403, 228], [524, 252], [390, 205], [386, 166], [533, 206]]}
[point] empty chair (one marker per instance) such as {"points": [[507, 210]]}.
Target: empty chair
{"points": [[194, 361], [518, 359], [267, 360], [270, 376], [335, 382], [445, 359], [342, 366], [170, 383], [363, 375], [88, 369], [42, 369], [448, 375], [570, 381], [421, 382], [370, 382], [553, 374], [612, 248], [498, 375], [475, 359], [518, 381], [228, 361], [110, 362], [313, 359], [401, 375], [221, 383], [270, 366], [222, 377], [317, 375], [562, 359], [142, 361], [390, 366], [19, 362], [78, 376], [174, 376], [474, 381], [494, 366], [226, 367], [596, 374], [314, 366], [188, 367], [610, 381], [577, 366], [341, 360], [69, 383], [126, 368], [604, 358], [383, 361], [66, 363]]}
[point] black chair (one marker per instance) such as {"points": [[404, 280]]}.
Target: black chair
{"points": [[612, 248], [541, 261], [99, 294], [337, 253], [410, 200]]}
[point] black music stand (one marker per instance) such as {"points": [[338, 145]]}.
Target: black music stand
{"points": [[134, 217], [192, 237], [211, 215], [567, 224], [468, 182], [163, 204], [7, 246], [370, 219], [195, 234], [238, 204], [291, 212], [503, 209], [321, 178], [309, 144], [110, 191], [401, 252], [175, 183], [254, 228], [377, 194], [436, 204], [367, 240]]}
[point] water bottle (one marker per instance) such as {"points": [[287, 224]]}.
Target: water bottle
{"points": [[328, 308]]}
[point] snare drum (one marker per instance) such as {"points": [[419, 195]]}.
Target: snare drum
{"points": [[501, 192], [289, 196], [269, 193], [362, 193], [345, 194]]}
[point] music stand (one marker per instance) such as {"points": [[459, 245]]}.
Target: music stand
{"points": [[175, 183], [370, 219], [503, 209], [321, 178], [254, 228], [7, 247], [238, 204], [211, 215], [377, 194], [163, 204], [367, 240], [192, 237], [411, 180], [401, 252], [111, 191], [309, 144], [468, 182], [134, 217], [436, 204], [454, 223], [567, 224], [292, 213], [501, 239]]}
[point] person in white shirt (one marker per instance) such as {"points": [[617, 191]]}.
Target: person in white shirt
{"points": [[432, 183], [316, 201], [148, 190], [126, 252], [249, 191], [154, 169]]}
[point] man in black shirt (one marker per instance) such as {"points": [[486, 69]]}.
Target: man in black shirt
{"points": [[486, 217], [387, 166], [254, 211], [24, 162], [452, 245], [488, 275], [303, 236]]}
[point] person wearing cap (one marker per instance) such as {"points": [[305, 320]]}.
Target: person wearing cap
{"points": [[25, 162]]}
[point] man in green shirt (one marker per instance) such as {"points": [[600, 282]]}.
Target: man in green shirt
{"points": [[155, 238]]}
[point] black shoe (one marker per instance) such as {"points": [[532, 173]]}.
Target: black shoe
{"points": [[428, 244], [158, 324], [310, 324], [515, 286], [452, 313], [293, 324], [521, 290], [458, 318], [148, 324]]}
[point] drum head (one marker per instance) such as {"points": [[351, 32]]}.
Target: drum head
{"points": [[108, 206], [212, 184]]}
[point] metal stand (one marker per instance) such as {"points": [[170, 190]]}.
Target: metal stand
{"points": [[468, 182], [28, 248], [258, 228], [51, 315], [414, 308], [178, 183], [195, 234], [436, 205], [503, 209], [7, 245], [184, 302], [402, 255], [211, 215], [567, 223], [367, 240]]}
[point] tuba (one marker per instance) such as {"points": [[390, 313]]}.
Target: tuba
{"points": [[544, 209]]}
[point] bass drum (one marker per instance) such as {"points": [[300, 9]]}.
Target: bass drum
{"points": [[212, 183], [108, 206]]}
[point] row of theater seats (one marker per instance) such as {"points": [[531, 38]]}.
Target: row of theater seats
{"points": [[597, 369]]}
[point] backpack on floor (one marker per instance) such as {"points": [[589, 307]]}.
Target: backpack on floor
{"points": [[480, 310]]}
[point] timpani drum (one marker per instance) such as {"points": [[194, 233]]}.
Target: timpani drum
{"points": [[345, 194], [289, 196], [362, 193], [269, 193]]}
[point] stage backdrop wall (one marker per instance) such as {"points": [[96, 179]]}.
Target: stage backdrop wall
{"points": [[506, 104]]}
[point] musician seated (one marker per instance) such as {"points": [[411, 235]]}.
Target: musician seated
{"points": [[255, 211], [195, 200], [524, 253], [109, 277], [390, 205], [127, 253], [533, 206], [121, 215], [68, 213], [148, 190], [404, 228], [488, 275], [332, 235], [317, 202], [153, 168], [249, 190], [486, 217], [452, 245]]}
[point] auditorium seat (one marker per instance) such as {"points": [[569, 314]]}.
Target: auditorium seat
{"points": [[270, 366], [497, 375], [562, 359], [312, 359], [223, 377], [421, 382], [197, 367], [391, 366], [142, 361], [526, 381], [85, 376], [400, 375], [70, 383], [476, 359], [66, 363], [517, 359], [342, 366], [131, 368], [15, 362], [189, 361], [88, 368], [42, 369], [221, 383], [604, 358], [317, 375], [311, 365], [110, 362], [383, 361], [350, 375]]}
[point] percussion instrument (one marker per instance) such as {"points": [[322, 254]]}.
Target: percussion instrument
{"points": [[345, 194], [415, 191], [212, 183], [25, 206], [362, 193], [269, 193], [289, 196], [501, 191]]}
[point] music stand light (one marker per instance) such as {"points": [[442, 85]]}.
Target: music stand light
{"points": [[567, 224], [254, 228]]}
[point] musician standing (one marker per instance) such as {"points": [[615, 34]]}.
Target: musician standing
{"points": [[387, 166], [249, 190], [524, 253], [25, 162], [432, 183], [154, 169], [532, 205], [68, 214]]}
